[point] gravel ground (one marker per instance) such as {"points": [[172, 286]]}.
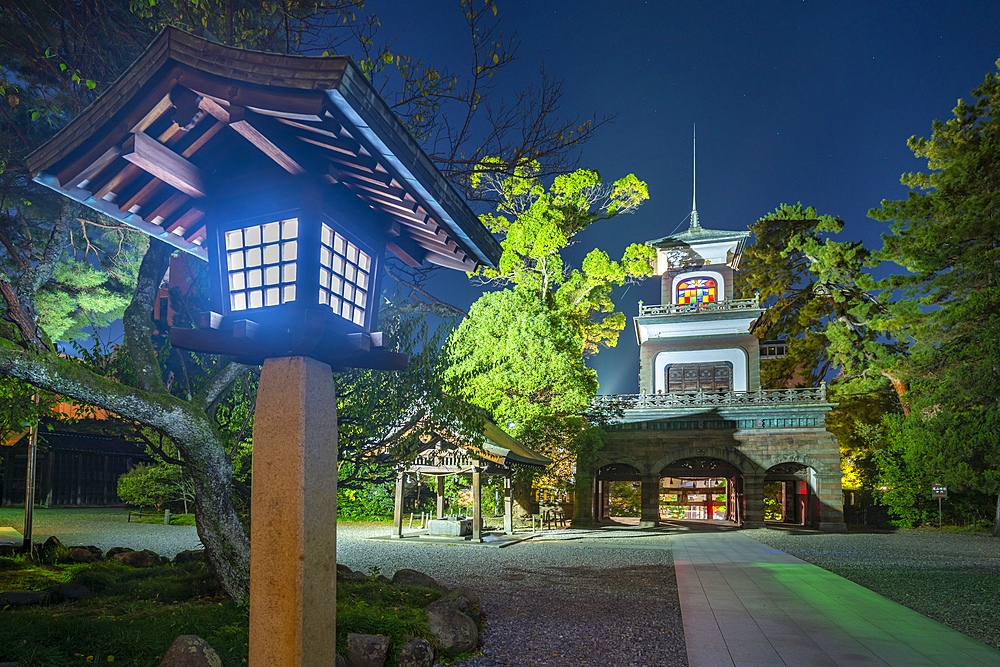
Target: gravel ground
{"points": [[575, 602], [568, 598], [104, 528], [953, 578]]}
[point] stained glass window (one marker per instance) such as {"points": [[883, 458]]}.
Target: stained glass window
{"points": [[697, 291]]}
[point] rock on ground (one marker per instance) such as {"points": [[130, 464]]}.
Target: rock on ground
{"points": [[366, 650], [417, 653], [456, 632], [191, 651]]}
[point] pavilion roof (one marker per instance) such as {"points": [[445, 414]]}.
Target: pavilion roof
{"points": [[494, 445], [189, 113]]}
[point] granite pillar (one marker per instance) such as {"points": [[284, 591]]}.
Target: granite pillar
{"points": [[293, 565], [753, 500], [649, 501]]}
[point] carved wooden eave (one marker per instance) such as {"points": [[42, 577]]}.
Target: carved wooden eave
{"points": [[191, 115]]}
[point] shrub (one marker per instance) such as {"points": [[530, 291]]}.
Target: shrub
{"points": [[154, 485]]}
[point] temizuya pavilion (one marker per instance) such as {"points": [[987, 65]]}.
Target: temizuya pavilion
{"points": [[292, 178], [445, 452]]}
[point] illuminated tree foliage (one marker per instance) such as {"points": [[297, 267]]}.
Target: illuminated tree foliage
{"points": [[946, 234], [520, 353]]}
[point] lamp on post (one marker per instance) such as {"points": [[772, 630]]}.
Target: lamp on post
{"points": [[292, 178], [294, 275]]}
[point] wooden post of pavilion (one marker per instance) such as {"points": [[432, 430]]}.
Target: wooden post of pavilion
{"points": [[440, 496], [477, 504], [397, 509], [508, 505]]}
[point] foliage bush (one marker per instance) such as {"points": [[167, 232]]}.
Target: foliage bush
{"points": [[371, 502], [625, 499], [155, 485]]}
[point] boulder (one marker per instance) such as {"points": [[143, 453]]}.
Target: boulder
{"points": [[456, 632], [69, 591], [22, 598], [85, 554], [344, 569], [340, 661], [52, 550], [114, 551], [144, 558], [52, 543], [406, 577], [191, 651], [417, 653], [366, 650], [188, 556], [466, 601]]}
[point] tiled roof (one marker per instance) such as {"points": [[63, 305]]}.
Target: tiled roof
{"points": [[127, 157]]}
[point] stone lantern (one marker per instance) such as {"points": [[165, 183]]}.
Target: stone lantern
{"points": [[292, 178]]}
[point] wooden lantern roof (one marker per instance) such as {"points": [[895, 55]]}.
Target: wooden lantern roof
{"points": [[190, 114]]}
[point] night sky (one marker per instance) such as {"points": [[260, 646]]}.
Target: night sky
{"points": [[793, 100]]}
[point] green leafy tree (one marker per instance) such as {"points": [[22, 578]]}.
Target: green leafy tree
{"points": [[821, 300], [946, 234], [155, 486], [520, 353]]}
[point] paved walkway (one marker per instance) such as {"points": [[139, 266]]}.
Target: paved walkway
{"points": [[746, 605]]}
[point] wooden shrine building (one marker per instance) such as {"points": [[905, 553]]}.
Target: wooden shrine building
{"points": [[443, 453]]}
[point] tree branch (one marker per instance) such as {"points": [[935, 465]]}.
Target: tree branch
{"points": [[159, 450], [435, 305], [217, 385]]}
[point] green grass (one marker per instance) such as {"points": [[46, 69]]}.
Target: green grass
{"points": [[175, 519], [964, 599], [136, 613]]}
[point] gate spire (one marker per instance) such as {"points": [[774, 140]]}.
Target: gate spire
{"points": [[694, 180]]}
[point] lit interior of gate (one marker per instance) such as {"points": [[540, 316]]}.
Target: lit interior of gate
{"points": [[693, 498]]}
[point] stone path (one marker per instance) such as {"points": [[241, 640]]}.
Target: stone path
{"points": [[744, 604]]}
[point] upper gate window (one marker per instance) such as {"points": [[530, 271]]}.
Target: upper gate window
{"points": [[697, 291]]}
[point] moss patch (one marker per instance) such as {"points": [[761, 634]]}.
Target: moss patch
{"points": [[136, 613]]}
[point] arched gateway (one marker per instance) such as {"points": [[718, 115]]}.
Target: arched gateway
{"points": [[700, 413]]}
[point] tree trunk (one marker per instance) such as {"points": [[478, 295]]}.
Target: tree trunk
{"points": [[901, 386], [227, 544], [522, 496]]}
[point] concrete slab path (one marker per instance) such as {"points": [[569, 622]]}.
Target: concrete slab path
{"points": [[746, 605]]}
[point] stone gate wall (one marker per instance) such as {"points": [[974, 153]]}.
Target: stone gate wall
{"points": [[751, 451]]}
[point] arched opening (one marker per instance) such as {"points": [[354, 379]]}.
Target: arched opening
{"points": [[789, 494], [618, 492], [702, 489]]}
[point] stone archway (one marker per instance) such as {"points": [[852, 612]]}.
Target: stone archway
{"points": [[604, 479], [809, 492]]}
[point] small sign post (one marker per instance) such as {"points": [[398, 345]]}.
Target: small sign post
{"points": [[939, 491]]}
